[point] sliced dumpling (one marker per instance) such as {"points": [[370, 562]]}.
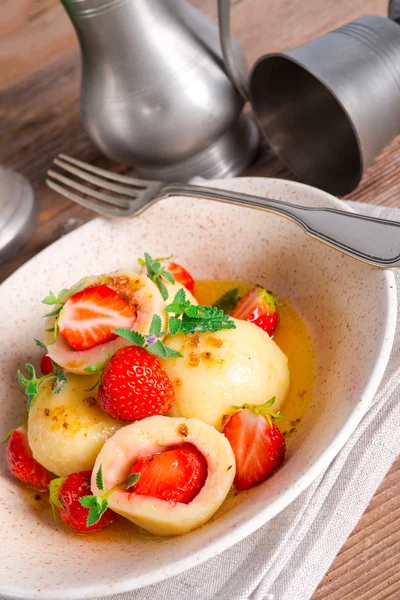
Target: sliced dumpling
{"points": [[151, 436], [66, 431], [224, 369], [138, 291]]}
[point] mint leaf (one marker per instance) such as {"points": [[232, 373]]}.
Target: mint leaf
{"points": [[163, 289], [156, 325], [51, 299], [156, 272], [132, 479], [135, 338], [172, 353], [208, 318], [158, 349], [169, 277], [174, 325], [99, 479], [228, 301], [180, 297], [31, 370], [89, 501], [97, 507], [40, 344], [22, 380], [54, 312], [141, 262]]}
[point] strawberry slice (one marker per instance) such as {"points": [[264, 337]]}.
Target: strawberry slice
{"points": [[181, 275], [22, 465], [46, 365], [259, 307], [175, 475], [258, 445], [89, 317]]}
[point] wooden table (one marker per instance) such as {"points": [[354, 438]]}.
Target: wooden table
{"points": [[39, 87]]}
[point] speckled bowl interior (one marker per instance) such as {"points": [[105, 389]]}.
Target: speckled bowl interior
{"points": [[350, 309]]}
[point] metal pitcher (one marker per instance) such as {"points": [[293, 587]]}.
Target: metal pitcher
{"points": [[155, 93]]}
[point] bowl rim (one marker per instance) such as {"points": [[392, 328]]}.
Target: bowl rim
{"points": [[250, 525]]}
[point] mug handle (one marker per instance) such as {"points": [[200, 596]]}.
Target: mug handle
{"points": [[224, 24]]}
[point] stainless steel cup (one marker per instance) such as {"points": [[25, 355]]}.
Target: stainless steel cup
{"points": [[327, 108]]}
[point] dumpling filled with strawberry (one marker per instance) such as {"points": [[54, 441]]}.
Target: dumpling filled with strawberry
{"points": [[169, 475], [79, 331]]}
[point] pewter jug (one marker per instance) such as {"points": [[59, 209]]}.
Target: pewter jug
{"points": [[155, 93]]}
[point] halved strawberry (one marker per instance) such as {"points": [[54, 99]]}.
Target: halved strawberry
{"points": [[22, 465], [181, 275], [176, 475], [65, 496], [259, 307], [46, 365], [258, 445], [89, 317]]}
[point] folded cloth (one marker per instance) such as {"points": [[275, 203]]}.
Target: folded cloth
{"points": [[287, 558]]}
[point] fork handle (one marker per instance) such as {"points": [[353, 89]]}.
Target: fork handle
{"points": [[371, 240]]}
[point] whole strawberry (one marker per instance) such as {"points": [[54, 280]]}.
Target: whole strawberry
{"points": [[259, 307], [258, 445], [134, 386], [22, 465], [65, 495]]}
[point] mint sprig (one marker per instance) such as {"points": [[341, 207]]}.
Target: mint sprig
{"points": [[195, 318], [157, 273], [32, 382], [98, 505], [150, 342]]}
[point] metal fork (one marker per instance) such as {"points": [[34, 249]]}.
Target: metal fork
{"points": [[374, 241]]}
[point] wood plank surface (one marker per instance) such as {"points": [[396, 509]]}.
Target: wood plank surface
{"points": [[39, 117]]}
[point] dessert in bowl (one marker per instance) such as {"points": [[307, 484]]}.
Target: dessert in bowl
{"points": [[335, 331]]}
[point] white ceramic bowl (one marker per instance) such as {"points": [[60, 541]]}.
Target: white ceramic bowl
{"points": [[349, 306]]}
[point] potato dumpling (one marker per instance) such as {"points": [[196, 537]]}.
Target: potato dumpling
{"points": [[66, 431], [150, 436], [224, 369]]}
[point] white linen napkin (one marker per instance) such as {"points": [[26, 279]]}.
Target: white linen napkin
{"points": [[287, 558]]}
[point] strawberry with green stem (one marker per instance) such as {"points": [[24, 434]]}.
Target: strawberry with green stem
{"points": [[259, 307], [72, 500], [258, 445]]}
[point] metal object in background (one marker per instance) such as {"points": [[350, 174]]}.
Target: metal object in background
{"points": [[18, 212], [327, 108], [374, 241], [155, 93], [394, 10]]}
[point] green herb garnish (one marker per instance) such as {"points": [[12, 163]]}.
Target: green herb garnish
{"points": [[228, 301], [157, 273], [32, 383], [98, 505]]}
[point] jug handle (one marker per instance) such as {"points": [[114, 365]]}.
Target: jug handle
{"points": [[224, 24]]}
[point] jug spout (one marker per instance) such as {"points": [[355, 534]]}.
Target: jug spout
{"points": [[155, 93]]}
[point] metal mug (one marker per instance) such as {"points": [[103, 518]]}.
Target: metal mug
{"points": [[328, 107]]}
